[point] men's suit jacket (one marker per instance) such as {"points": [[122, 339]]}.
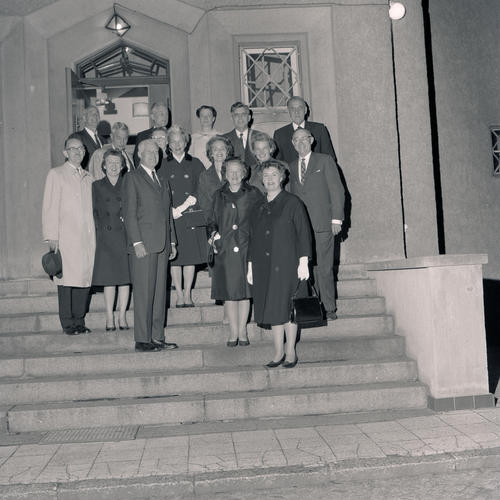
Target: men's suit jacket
{"points": [[286, 151], [147, 212], [322, 191], [245, 154], [90, 145]]}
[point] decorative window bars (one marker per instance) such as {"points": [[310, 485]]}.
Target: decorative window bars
{"points": [[269, 76], [495, 147]]}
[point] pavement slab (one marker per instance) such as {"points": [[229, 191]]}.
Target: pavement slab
{"points": [[448, 438]]}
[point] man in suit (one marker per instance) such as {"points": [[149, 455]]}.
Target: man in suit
{"points": [[68, 227], [147, 213], [297, 109], [119, 139], [160, 116], [315, 179], [241, 134], [89, 135]]}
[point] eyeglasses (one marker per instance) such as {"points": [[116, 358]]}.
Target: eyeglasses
{"points": [[73, 149]]}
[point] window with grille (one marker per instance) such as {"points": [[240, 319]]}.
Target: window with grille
{"points": [[495, 146], [269, 76]]}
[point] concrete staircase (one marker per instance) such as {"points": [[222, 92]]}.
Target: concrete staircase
{"points": [[51, 381]]}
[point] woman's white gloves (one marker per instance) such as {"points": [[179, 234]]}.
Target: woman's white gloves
{"points": [[250, 274], [189, 202], [303, 269]]}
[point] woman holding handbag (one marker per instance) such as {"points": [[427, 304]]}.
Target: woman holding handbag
{"points": [[279, 251], [228, 230]]}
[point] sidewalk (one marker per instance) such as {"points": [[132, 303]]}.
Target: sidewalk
{"points": [[310, 446]]}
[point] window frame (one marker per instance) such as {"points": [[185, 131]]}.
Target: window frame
{"points": [[298, 40]]}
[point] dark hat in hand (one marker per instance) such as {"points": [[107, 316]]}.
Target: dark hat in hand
{"points": [[52, 264]]}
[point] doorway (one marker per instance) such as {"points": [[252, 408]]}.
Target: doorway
{"points": [[122, 81]]}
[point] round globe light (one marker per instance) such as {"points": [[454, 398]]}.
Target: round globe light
{"points": [[396, 11]]}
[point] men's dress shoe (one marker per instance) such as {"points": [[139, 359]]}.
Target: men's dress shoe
{"points": [[168, 346], [331, 315], [274, 364], [70, 331], [146, 347], [287, 364], [232, 343], [244, 342], [82, 329]]}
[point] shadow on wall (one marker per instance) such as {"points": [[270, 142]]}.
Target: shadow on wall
{"points": [[492, 323]]}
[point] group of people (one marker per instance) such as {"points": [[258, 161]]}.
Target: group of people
{"points": [[266, 210]]}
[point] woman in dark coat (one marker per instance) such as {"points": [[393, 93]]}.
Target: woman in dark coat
{"points": [[279, 251], [218, 149], [111, 259], [263, 148], [228, 228], [182, 172]]}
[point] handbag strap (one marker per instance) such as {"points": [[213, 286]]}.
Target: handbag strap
{"points": [[315, 293]]}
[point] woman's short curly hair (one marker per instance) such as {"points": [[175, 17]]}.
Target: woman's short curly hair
{"points": [[217, 138], [177, 129], [113, 152], [281, 166], [234, 159], [262, 137]]}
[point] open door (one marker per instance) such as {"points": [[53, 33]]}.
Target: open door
{"points": [[76, 100]]}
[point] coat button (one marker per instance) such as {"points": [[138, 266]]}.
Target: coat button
{"points": [[235, 226], [267, 254], [268, 232], [236, 249], [186, 176]]}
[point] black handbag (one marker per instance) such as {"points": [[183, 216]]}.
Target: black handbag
{"points": [[307, 312]]}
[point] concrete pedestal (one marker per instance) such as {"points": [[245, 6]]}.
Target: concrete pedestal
{"points": [[437, 304]]}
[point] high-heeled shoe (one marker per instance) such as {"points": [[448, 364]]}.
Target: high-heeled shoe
{"points": [[274, 364], [111, 328], [232, 343], [125, 327], [243, 342], [287, 364]]}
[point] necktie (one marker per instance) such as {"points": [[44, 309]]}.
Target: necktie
{"points": [[155, 177], [127, 161], [242, 141], [303, 169]]}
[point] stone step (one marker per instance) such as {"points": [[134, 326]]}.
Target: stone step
{"points": [[204, 313], [173, 383], [201, 356], [23, 343], [43, 285], [217, 407], [47, 302]]}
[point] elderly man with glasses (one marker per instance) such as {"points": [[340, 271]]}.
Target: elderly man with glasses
{"points": [[68, 227]]}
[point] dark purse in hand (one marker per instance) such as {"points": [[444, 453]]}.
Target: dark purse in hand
{"points": [[307, 312]]}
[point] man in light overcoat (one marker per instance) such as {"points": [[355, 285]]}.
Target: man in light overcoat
{"points": [[68, 226]]}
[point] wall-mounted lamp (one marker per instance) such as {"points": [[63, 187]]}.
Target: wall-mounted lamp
{"points": [[396, 10], [117, 23]]}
